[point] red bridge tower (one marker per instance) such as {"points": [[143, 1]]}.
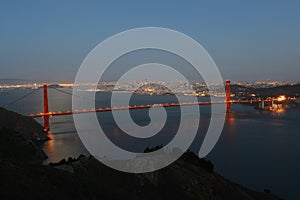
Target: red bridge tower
{"points": [[228, 104], [46, 109]]}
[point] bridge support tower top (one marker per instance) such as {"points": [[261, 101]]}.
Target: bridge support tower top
{"points": [[227, 88]]}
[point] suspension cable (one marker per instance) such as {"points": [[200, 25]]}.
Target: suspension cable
{"points": [[20, 98]]}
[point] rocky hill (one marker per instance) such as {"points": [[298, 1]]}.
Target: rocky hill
{"points": [[27, 127]]}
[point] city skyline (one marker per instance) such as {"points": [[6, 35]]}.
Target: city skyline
{"points": [[248, 41]]}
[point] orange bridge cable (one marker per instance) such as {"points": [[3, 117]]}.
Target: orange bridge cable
{"points": [[20, 98], [140, 107], [134, 108], [71, 94]]}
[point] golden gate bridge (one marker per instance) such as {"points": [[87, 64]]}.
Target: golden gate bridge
{"points": [[46, 114]]}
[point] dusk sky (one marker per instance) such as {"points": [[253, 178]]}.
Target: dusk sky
{"points": [[248, 40]]}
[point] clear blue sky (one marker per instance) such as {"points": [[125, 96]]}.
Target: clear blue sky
{"points": [[249, 40]]}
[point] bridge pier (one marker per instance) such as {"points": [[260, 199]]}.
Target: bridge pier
{"points": [[227, 88], [46, 109]]}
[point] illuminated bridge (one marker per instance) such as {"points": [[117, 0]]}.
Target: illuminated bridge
{"points": [[46, 114]]}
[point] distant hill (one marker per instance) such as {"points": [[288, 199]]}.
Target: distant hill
{"points": [[153, 89], [14, 81], [22, 81], [289, 90]]}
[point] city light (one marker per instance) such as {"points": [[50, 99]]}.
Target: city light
{"points": [[281, 98]]}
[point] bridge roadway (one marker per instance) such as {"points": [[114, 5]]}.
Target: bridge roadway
{"points": [[139, 107]]}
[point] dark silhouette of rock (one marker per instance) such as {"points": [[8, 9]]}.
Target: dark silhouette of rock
{"points": [[268, 191], [26, 126]]}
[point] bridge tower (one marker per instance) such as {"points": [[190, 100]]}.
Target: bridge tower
{"points": [[46, 109], [227, 88]]}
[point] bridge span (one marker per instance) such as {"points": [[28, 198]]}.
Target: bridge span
{"points": [[46, 114]]}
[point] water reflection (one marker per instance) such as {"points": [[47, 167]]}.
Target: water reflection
{"points": [[62, 146], [49, 145], [278, 112], [230, 123], [230, 118]]}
